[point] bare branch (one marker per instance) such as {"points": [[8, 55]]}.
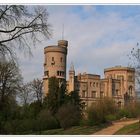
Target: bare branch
{"points": [[18, 23]]}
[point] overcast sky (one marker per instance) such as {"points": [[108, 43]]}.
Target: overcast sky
{"points": [[99, 37]]}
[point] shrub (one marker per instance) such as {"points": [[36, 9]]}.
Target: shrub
{"points": [[130, 111], [124, 113], [110, 117], [101, 111], [95, 115], [17, 126], [46, 120], [69, 115]]}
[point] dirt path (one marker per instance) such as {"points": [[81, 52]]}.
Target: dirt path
{"points": [[115, 127]]}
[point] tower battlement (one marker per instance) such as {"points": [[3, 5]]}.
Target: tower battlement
{"points": [[63, 43]]}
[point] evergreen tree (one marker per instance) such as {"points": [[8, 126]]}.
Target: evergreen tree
{"points": [[56, 94]]}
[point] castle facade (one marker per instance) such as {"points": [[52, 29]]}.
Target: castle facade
{"points": [[118, 82]]}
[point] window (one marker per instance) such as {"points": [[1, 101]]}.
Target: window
{"points": [[93, 84], [60, 73], [96, 84], [93, 94], [130, 90], [57, 73], [83, 94], [46, 73], [61, 59], [90, 84], [53, 62]]}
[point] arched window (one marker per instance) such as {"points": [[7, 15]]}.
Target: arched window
{"points": [[130, 90]]}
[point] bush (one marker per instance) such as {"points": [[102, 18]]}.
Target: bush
{"points": [[46, 121], [124, 113], [129, 111], [110, 117], [101, 111], [95, 115], [18, 126], [69, 115], [8, 128]]}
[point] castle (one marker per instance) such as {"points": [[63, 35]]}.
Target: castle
{"points": [[118, 82]]}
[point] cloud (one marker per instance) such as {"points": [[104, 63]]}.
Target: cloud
{"points": [[97, 40]]}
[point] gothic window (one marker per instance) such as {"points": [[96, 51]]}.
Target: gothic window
{"points": [[52, 58], [130, 90]]}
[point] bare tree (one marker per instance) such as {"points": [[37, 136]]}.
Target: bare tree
{"points": [[21, 26], [134, 58], [25, 95], [10, 80], [37, 89]]}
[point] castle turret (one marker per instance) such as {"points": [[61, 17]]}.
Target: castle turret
{"points": [[71, 78], [55, 62]]}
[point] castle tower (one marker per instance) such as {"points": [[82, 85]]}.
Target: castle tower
{"points": [[55, 62], [125, 77], [71, 78]]}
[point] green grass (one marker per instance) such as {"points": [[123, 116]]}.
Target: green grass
{"points": [[76, 130], [132, 129]]}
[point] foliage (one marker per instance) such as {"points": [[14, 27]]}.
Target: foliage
{"points": [[56, 95], [129, 111], [98, 112], [74, 98], [68, 115], [111, 117], [10, 81], [46, 121], [25, 95], [37, 89]]}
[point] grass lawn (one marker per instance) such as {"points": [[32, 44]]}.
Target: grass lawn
{"points": [[76, 130], [132, 129]]}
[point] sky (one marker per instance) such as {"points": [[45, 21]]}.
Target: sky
{"points": [[99, 37]]}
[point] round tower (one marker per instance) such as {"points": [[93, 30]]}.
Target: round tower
{"points": [[55, 62]]}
